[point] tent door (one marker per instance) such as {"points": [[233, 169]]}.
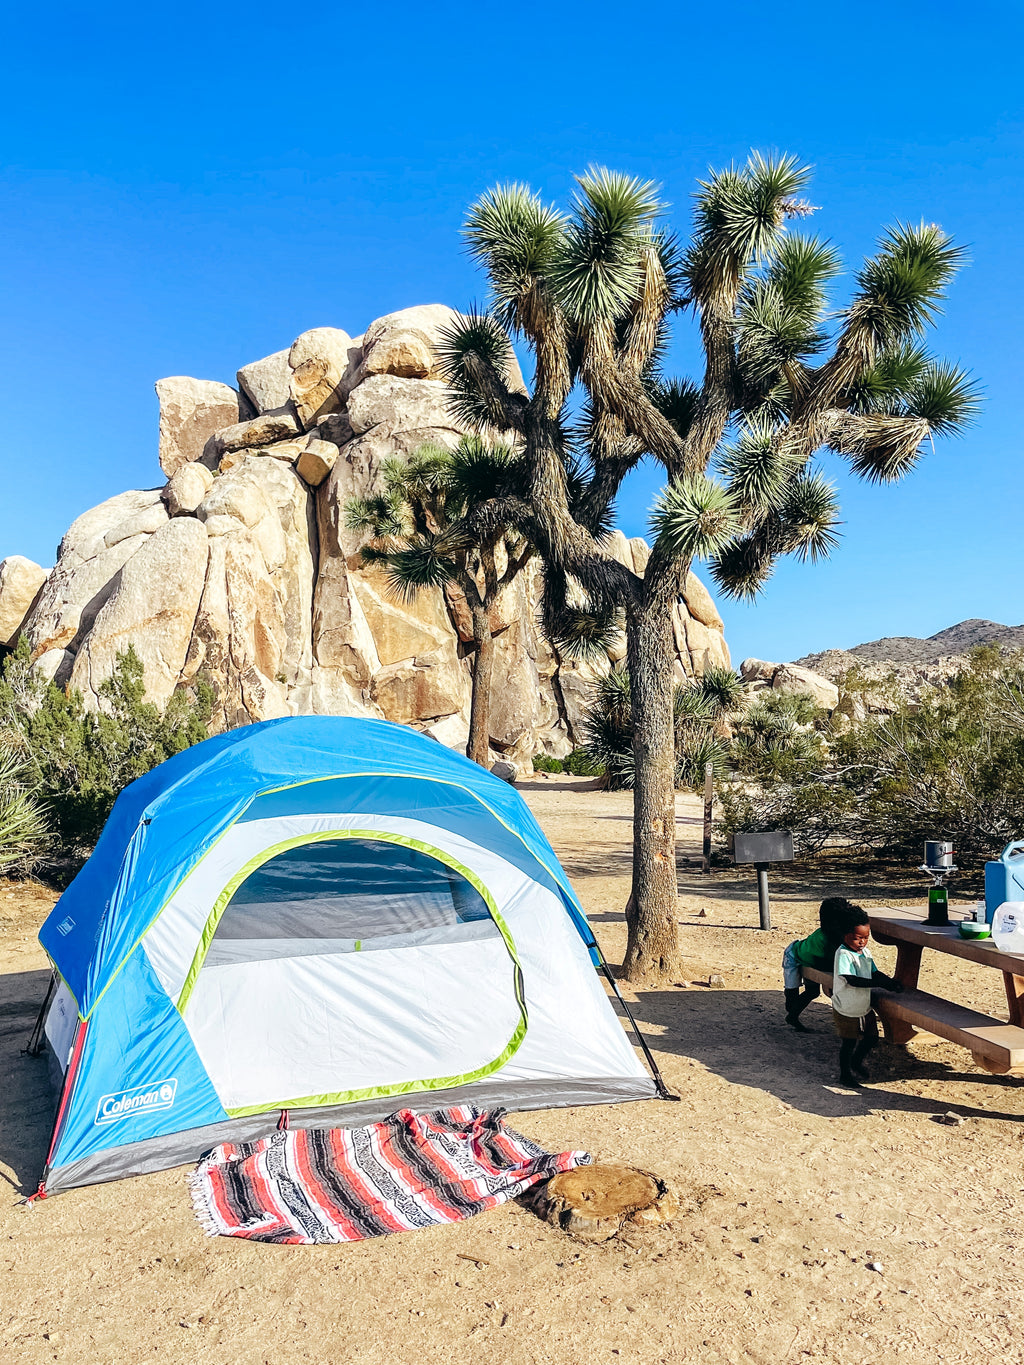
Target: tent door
{"points": [[351, 963]]}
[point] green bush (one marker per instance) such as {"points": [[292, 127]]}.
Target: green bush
{"points": [[77, 761], [580, 764], [544, 763], [947, 766], [776, 738]]}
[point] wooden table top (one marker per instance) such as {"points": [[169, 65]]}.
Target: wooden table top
{"points": [[903, 926]]}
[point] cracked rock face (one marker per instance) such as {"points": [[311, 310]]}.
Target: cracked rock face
{"points": [[242, 569]]}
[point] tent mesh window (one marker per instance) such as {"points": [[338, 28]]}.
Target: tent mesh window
{"points": [[347, 895]]}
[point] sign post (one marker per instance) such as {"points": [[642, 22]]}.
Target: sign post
{"points": [[775, 846], [709, 796]]}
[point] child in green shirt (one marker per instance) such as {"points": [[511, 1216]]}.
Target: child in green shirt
{"points": [[817, 950]]}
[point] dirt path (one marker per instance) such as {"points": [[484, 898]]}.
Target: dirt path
{"points": [[790, 1187]]}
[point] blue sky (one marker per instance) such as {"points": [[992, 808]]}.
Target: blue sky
{"points": [[183, 190]]}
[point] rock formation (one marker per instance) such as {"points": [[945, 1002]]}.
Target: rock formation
{"points": [[790, 680], [21, 582], [241, 567]]}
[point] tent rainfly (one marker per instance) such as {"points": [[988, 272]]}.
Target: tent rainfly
{"points": [[331, 917]]}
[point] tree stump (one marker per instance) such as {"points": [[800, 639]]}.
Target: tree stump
{"points": [[596, 1202]]}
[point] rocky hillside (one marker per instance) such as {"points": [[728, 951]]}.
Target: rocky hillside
{"points": [[240, 564], [908, 649]]}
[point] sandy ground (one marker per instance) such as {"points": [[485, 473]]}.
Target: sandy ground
{"points": [[789, 1186]]}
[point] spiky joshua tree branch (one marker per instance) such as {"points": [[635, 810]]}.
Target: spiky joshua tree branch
{"points": [[592, 291]]}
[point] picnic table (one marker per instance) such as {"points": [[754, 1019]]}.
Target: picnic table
{"points": [[995, 1046]]}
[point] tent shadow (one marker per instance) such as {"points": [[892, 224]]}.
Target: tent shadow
{"points": [[742, 1037], [26, 1114]]}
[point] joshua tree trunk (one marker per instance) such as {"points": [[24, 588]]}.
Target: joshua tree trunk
{"points": [[480, 706], [652, 950]]}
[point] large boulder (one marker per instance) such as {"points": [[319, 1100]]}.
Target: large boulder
{"points": [[402, 628], [316, 460], [758, 670], [84, 577], [427, 688], [641, 553], [144, 522], [354, 474], [252, 628], [152, 607], [616, 545], [322, 362], [403, 343], [576, 679], [792, 680], [344, 653], [399, 404], [186, 489], [279, 425], [518, 710], [700, 604], [21, 582], [191, 410], [267, 382]]}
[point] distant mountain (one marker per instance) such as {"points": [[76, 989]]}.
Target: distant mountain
{"points": [[907, 649]]}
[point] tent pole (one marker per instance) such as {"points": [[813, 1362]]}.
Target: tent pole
{"points": [[35, 1042], [663, 1090]]}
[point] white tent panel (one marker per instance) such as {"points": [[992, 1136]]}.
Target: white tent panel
{"points": [[573, 1031], [334, 1020], [61, 1019], [172, 940], [272, 1031]]}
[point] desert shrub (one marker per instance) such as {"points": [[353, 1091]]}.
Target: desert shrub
{"points": [[544, 763], [23, 829], [723, 687], [947, 766], [580, 764], [876, 692], [77, 761], [814, 808], [608, 728]]}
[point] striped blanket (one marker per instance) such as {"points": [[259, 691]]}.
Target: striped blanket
{"points": [[345, 1184]]}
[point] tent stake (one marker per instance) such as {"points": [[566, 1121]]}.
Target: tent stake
{"points": [[663, 1090]]}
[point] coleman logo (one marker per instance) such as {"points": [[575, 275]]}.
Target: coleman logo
{"points": [[141, 1099]]}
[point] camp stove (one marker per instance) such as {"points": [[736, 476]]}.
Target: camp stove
{"points": [[938, 864]]}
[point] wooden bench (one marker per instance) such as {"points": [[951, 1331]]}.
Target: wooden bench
{"points": [[994, 1046]]}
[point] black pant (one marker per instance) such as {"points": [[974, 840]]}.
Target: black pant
{"points": [[852, 1051]]}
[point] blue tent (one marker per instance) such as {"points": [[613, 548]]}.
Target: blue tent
{"points": [[320, 915]]}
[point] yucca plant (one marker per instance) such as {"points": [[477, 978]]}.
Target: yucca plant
{"points": [[23, 827], [785, 378], [608, 727], [436, 520], [776, 737]]}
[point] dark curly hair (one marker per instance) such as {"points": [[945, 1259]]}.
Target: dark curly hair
{"points": [[838, 917]]}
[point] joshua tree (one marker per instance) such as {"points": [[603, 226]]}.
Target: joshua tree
{"points": [[436, 521], [591, 292]]}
